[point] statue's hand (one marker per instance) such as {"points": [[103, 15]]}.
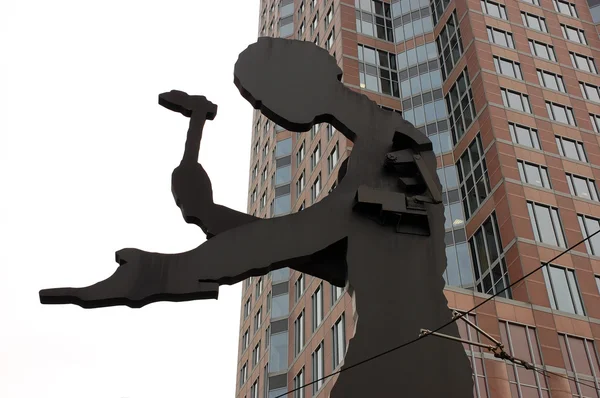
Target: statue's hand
{"points": [[141, 278]]}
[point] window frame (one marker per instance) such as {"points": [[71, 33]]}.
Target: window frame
{"points": [[545, 76], [517, 73], [508, 37], [541, 21], [542, 171], [555, 219], [533, 135], [570, 115], [570, 279], [589, 183], [507, 100]]}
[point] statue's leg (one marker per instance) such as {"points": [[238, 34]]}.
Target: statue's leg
{"points": [[252, 249]]}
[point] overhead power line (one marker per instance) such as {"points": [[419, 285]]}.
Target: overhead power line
{"points": [[454, 319]]}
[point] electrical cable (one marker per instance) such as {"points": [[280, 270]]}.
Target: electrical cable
{"points": [[454, 319], [546, 372]]}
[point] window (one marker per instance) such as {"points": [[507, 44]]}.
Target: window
{"points": [[258, 319], [278, 353], [573, 34], [534, 2], [315, 24], [377, 71], [581, 361], [244, 373], [333, 157], [374, 18], [313, 3], [255, 172], [467, 332], [330, 131], [449, 45], [339, 341], [254, 389], [245, 339], [459, 102], [524, 135], [542, 50], [267, 336], [521, 341], [582, 187], [515, 100], [589, 226], [315, 157], [253, 196], [562, 289], [500, 37], [571, 149], [336, 294], [473, 177], [534, 22], [317, 307], [551, 80], [583, 62], [300, 184], [313, 130], [595, 119], [329, 17], [316, 41], [301, 30], [437, 9], [317, 368], [263, 200], [565, 8], [330, 40], [560, 113], [299, 287], [281, 305], [533, 174], [264, 174], [269, 298], [590, 92], [546, 224], [489, 265], [508, 68], [300, 154], [259, 287], [493, 9], [256, 354], [247, 307], [299, 333], [299, 384], [315, 190], [283, 148]]}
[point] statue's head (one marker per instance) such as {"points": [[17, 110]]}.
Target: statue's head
{"points": [[290, 81]]}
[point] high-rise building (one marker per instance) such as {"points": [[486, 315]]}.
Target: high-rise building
{"points": [[508, 91]]}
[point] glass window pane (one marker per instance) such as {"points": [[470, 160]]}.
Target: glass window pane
{"points": [[545, 226], [561, 289], [282, 204]]}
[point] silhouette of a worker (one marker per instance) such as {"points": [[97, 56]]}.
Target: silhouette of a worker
{"points": [[396, 277]]}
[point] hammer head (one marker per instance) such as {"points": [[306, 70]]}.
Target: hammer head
{"points": [[179, 101]]}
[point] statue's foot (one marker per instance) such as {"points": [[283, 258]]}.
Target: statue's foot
{"points": [[179, 101], [141, 278]]}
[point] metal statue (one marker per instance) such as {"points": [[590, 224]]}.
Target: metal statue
{"points": [[381, 230]]}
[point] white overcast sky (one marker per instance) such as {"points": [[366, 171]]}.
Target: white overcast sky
{"points": [[86, 155]]}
